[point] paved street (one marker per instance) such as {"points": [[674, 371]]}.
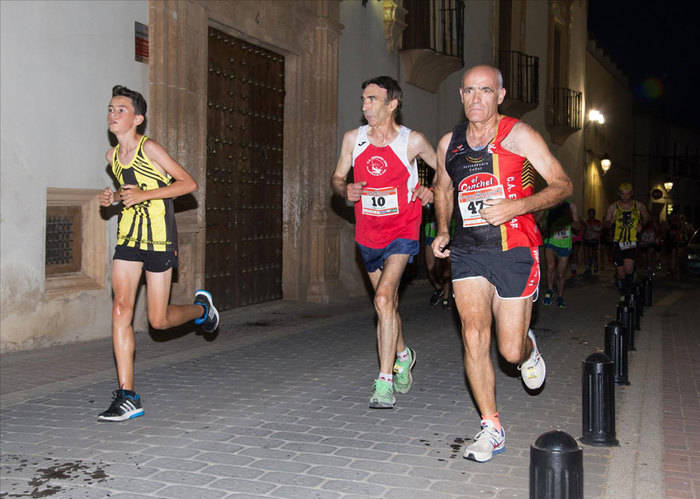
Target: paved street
{"points": [[276, 406]]}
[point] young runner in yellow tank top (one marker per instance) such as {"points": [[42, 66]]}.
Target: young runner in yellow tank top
{"points": [[149, 180]]}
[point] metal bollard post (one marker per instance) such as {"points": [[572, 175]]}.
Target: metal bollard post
{"points": [[598, 397], [648, 291], [616, 350], [624, 317], [556, 467]]}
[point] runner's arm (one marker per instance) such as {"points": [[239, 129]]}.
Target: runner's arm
{"points": [[419, 146], [351, 192], [609, 216], [107, 196], [644, 214], [444, 193], [525, 141], [161, 160]]}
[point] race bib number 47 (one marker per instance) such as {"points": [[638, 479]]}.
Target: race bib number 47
{"points": [[380, 202], [471, 202]]}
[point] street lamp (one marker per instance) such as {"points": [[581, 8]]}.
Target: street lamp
{"points": [[668, 185], [605, 163], [596, 116]]}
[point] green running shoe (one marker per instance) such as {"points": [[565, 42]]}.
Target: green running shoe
{"points": [[403, 377], [383, 396]]}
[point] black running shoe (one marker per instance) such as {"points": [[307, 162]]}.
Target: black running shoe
{"points": [[125, 405], [436, 297], [210, 319]]}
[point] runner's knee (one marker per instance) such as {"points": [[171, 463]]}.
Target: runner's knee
{"points": [[122, 309], [512, 352], [384, 302], [476, 341], [157, 321]]}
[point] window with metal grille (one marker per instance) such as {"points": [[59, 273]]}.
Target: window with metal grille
{"points": [[437, 25], [63, 239], [75, 242]]}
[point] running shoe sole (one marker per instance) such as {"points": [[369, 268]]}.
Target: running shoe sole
{"points": [[485, 457], [410, 374], [127, 415]]}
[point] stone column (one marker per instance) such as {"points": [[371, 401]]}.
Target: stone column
{"points": [[321, 60], [177, 119]]}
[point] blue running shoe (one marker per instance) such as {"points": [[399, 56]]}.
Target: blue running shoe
{"points": [[210, 319], [125, 405]]}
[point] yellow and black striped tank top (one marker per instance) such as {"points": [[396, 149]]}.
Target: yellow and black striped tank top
{"points": [[626, 221], [149, 225]]}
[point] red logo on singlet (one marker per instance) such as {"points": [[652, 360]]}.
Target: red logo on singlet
{"points": [[478, 181], [376, 166]]}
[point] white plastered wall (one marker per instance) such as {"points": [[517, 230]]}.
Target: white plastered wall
{"points": [[60, 60]]}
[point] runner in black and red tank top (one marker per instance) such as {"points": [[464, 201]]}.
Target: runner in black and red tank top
{"points": [[491, 172], [484, 180]]}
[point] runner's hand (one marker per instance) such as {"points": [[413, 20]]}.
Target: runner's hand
{"points": [[131, 195], [440, 244], [425, 194], [106, 197], [353, 192], [499, 211]]}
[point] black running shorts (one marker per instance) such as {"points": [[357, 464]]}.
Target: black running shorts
{"points": [[153, 261], [620, 255], [514, 273]]}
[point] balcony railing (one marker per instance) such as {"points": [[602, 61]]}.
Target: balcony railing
{"points": [[566, 111], [436, 25], [521, 75]]}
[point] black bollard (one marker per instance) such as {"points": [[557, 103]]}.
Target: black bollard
{"points": [[648, 291], [598, 397], [556, 467], [616, 350], [624, 317]]}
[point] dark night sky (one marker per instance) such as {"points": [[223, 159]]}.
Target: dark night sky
{"points": [[657, 45]]}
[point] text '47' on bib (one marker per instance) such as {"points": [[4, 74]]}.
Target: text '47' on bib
{"points": [[472, 201]]}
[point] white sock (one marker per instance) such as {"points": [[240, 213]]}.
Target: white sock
{"points": [[386, 377], [403, 355]]}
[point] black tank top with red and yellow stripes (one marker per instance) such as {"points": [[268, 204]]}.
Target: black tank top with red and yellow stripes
{"points": [[149, 225], [491, 172]]}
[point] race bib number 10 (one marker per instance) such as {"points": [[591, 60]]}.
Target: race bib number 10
{"points": [[471, 202], [380, 202]]}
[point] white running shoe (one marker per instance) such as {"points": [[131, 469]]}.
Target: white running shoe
{"points": [[533, 370], [487, 442]]}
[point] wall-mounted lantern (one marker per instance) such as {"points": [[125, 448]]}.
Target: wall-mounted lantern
{"points": [[605, 163]]}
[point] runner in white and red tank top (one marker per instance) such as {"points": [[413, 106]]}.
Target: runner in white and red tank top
{"points": [[388, 199]]}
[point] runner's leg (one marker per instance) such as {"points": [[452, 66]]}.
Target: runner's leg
{"points": [[125, 281], [386, 301], [161, 315], [474, 297]]}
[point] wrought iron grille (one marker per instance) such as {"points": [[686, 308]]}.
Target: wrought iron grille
{"points": [[520, 76], [567, 110], [435, 24], [63, 239]]}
